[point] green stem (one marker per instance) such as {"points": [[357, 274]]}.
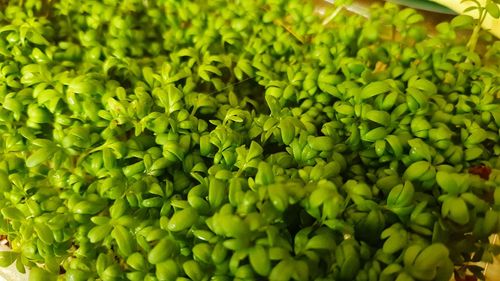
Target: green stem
{"points": [[475, 33], [473, 39]]}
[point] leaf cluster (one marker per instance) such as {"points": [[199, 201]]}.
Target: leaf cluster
{"points": [[178, 140]]}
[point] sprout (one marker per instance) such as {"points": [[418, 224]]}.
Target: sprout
{"points": [[176, 140]]}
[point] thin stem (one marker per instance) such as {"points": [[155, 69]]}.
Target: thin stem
{"points": [[231, 85], [475, 33], [332, 15]]}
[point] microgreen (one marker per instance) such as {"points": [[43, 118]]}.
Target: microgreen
{"points": [[480, 10], [180, 140]]}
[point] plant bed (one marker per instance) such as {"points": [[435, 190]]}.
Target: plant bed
{"points": [[246, 140]]}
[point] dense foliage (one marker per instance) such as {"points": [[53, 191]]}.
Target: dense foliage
{"points": [[212, 140]]}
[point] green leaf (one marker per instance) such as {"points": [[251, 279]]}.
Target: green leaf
{"points": [[147, 73], [165, 249], [278, 196], [20, 266], [8, 27], [7, 258], [493, 9], [273, 105], [80, 85], [39, 156], [462, 21], [446, 181], [44, 233], [13, 213], [136, 261], [374, 89], [264, 174], [255, 151], [38, 274], [193, 270], [37, 38], [90, 207], [124, 240], [216, 193], [259, 259], [246, 66], [212, 69], [322, 143], [203, 74], [98, 233], [183, 219], [287, 130]]}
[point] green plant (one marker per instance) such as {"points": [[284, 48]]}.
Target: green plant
{"points": [[221, 140], [490, 7]]}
